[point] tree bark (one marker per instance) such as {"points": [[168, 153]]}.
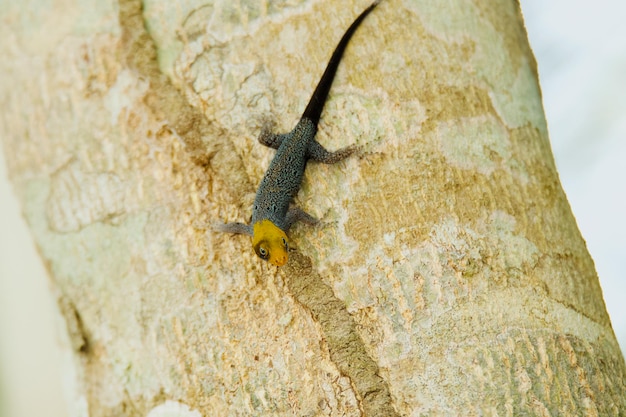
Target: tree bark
{"points": [[447, 276]]}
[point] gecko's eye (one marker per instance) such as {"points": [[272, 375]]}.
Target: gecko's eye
{"points": [[263, 253], [285, 242]]}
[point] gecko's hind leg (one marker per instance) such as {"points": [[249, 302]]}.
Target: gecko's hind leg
{"points": [[318, 153], [269, 138]]}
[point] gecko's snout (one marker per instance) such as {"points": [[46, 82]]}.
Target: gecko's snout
{"points": [[279, 260]]}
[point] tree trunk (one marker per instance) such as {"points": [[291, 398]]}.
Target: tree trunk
{"points": [[447, 276]]}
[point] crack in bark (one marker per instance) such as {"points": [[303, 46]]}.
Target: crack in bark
{"points": [[77, 333], [346, 347], [204, 141]]}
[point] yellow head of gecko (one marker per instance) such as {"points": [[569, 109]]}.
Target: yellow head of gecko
{"points": [[270, 242]]}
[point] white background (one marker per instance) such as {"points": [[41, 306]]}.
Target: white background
{"points": [[581, 51], [580, 47]]}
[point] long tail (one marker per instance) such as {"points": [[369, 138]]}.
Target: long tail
{"points": [[316, 104]]}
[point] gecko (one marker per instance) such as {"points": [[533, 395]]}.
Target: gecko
{"points": [[272, 211]]}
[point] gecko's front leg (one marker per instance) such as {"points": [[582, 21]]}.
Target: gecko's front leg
{"points": [[237, 228], [296, 214]]}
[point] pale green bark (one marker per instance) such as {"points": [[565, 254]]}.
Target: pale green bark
{"points": [[448, 276]]}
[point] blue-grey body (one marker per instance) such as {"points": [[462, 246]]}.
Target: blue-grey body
{"points": [[284, 175]]}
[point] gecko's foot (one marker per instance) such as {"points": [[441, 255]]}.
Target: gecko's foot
{"points": [[318, 153], [267, 136]]}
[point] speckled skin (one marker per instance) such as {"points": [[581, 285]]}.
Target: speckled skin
{"points": [[284, 175]]}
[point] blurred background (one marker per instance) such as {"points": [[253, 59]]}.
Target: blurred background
{"points": [[581, 51]]}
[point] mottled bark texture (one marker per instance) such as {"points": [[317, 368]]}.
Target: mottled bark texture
{"points": [[447, 275]]}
